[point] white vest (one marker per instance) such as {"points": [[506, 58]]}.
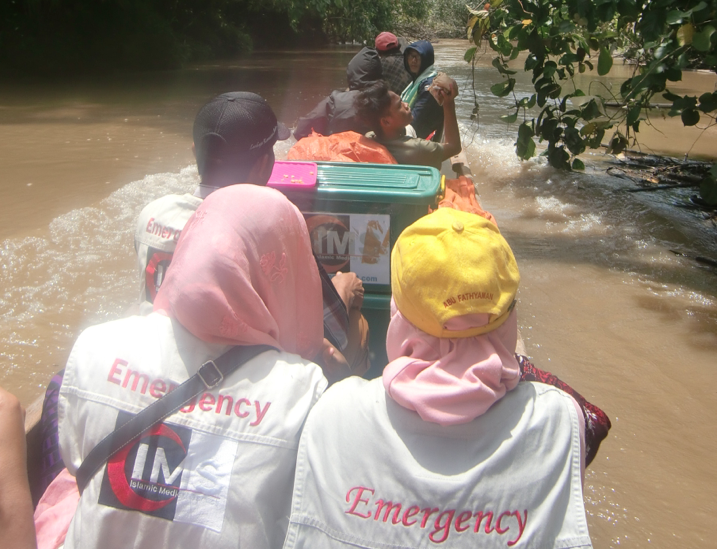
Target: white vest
{"points": [[217, 474], [155, 237], [372, 474]]}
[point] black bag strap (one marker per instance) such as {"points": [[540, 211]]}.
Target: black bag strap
{"points": [[211, 374]]}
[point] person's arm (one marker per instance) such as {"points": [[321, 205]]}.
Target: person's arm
{"points": [[350, 289], [596, 425], [451, 134], [333, 363], [16, 512]]}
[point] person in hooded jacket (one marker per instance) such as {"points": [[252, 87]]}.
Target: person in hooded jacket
{"points": [[336, 113], [218, 473], [427, 113]]}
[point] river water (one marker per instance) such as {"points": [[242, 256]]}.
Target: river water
{"points": [[604, 303]]}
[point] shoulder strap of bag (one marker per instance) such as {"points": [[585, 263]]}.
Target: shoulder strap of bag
{"points": [[211, 374]]}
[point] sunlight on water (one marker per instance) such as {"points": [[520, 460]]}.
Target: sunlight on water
{"points": [[81, 272], [587, 223]]}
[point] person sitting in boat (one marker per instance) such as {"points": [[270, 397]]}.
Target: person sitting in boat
{"points": [[427, 112], [389, 117], [16, 525], [233, 140], [392, 63], [217, 473], [447, 447], [234, 135], [336, 113]]}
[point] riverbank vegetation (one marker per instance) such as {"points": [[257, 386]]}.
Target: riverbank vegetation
{"points": [[562, 38], [85, 36]]}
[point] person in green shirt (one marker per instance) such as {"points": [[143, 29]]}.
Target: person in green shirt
{"points": [[388, 117]]}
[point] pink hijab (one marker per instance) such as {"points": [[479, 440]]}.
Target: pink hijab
{"points": [[243, 273], [449, 381]]}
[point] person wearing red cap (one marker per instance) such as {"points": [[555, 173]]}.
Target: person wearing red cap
{"points": [[394, 70]]}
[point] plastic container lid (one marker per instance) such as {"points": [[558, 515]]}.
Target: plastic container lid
{"points": [[293, 175]]}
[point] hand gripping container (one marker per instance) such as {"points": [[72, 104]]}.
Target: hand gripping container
{"points": [[355, 213]]}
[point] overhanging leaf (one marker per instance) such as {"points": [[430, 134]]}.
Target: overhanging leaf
{"points": [[573, 141], [675, 16], [501, 68], [697, 8], [591, 110], [471, 23], [525, 146], [633, 114], [587, 129], [708, 102], [578, 164], [690, 117], [604, 62], [617, 144], [685, 34], [502, 89], [509, 118], [558, 158], [673, 74], [470, 53], [702, 40]]}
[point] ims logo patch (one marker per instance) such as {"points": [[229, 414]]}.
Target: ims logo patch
{"points": [[171, 472]]}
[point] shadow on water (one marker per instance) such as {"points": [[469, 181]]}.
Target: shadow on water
{"points": [[274, 75], [590, 219], [587, 224]]}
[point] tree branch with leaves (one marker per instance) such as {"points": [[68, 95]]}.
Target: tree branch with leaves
{"points": [[560, 38]]}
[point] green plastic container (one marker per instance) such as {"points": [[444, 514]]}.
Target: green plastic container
{"points": [[355, 214]]}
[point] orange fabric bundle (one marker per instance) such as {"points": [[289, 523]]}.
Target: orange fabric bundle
{"points": [[461, 195], [340, 147]]}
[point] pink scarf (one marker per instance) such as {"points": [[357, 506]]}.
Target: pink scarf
{"points": [[243, 273], [450, 381]]}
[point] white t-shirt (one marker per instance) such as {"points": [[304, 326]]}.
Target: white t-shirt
{"points": [[373, 474], [217, 474], [155, 238]]}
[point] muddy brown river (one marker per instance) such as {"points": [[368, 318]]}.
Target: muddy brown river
{"points": [[604, 303]]}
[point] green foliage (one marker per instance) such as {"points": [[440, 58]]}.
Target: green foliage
{"points": [[560, 38], [449, 17], [59, 36], [89, 35], [362, 20]]}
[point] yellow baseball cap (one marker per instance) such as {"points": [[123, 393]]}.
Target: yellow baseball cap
{"points": [[450, 265]]}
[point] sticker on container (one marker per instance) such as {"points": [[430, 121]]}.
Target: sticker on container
{"points": [[360, 243]]}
